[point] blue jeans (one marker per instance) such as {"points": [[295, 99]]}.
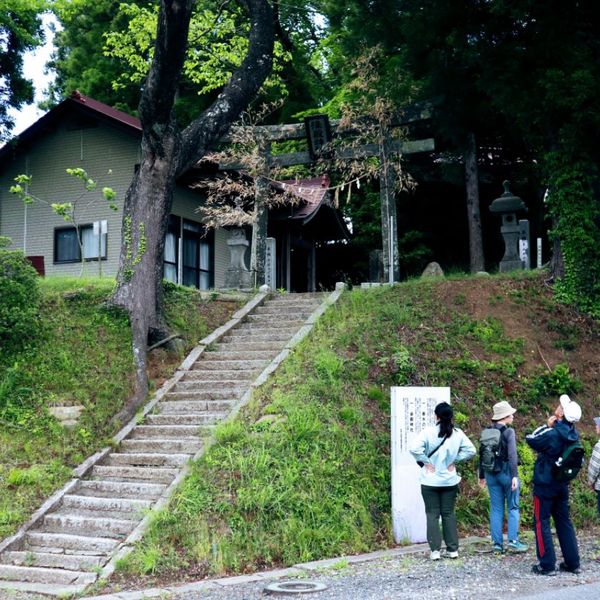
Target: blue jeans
{"points": [[499, 487]]}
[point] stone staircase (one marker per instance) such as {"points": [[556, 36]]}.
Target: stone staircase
{"points": [[80, 532]]}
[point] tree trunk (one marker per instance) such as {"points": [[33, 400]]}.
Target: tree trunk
{"points": [[476, 257], [139, 280], [166, 153]]}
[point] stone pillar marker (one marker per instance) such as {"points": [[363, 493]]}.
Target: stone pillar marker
{"points": [[507, 206], [237, 275], [412, 410]]}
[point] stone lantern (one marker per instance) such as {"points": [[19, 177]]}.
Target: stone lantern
{"points": [[238, 276], [515, 233]]}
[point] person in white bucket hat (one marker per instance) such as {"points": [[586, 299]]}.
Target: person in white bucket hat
{"points": [[502, 480], [551, 497]]}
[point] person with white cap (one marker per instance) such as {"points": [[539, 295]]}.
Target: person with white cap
{"points": [[594, 467], [551, 497], [502, 480]]}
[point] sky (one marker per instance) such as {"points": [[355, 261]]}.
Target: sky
{"points": [[33, 67]]}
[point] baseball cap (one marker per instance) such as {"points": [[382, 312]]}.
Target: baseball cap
{"points": [[571, 409], [597, 421]]}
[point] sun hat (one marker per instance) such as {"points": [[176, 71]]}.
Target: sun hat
{"points": [[571, 409], [503, 409]]}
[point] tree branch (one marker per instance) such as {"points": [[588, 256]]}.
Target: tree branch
{"points": [[245, 82], [158, 95]]}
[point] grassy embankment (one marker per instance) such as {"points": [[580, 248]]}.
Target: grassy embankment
{"points": [[81, 354], [303, 473]]}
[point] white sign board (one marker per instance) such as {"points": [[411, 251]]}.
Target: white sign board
{"points": [[524, 251], [412, 411]]}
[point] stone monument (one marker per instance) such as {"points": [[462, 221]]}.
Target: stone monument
{"points": [[238, 276]]}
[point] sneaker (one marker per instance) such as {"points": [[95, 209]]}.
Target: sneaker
{"points": [[566, 569], [498, 549], [435, 555], [517, 546], [452, 554], [539, 571]]}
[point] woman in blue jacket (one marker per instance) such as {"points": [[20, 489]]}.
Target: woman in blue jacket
{"points": [[439, 448]]}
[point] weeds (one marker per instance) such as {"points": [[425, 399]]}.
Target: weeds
{"points": [[81, 354]]}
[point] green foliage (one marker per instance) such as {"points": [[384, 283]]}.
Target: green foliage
{"points": [[576, 212], [20, 31], [218, 42], [552, 384], [19, 298], [80, 353]]}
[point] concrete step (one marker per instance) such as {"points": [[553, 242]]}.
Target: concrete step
{"points": [[266, 355], [193, 402], [233, 386], [119, 489], [65, 543], [71, 562], [131, 474], [295, 304], [185, 418], [162, 446], [236, 337], [146, 459], [229, 366], [274, 346], [59, 522], [144, 432], [217, 375], [209, 396], [301, 311], [258, 325], [287, 320], [136, 507], [43, 575]]}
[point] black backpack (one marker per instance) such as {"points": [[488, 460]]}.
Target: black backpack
{"points": [[490, 449], [569, 463]]}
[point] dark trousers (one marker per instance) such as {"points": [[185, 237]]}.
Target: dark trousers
{"points": [[553, 501], [598, 499], [440, 502]]}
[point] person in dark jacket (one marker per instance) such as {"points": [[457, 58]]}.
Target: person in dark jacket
{"points": [[550, 497]]}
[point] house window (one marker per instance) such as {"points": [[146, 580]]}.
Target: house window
{"points": [[67, 248], [196, 246]]}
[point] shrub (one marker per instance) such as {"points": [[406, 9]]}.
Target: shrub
{"points": [[19, 299]]}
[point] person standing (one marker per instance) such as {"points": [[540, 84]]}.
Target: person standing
{"points": [[439, 448], [594, 466], [551, 497], [503, 481]]}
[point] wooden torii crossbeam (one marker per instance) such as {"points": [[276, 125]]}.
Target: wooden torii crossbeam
{"points": [[383, 150]]}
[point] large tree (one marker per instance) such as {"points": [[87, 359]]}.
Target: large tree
{"points": [[20, 30], [167, 152]]}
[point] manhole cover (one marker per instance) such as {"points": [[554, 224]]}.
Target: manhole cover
{"points": [[295, 587]]}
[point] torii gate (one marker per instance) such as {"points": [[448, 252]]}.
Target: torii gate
{"points": [[313, 130]]}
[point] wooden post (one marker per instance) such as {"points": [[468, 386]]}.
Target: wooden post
{"points": [[389, 235]]}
